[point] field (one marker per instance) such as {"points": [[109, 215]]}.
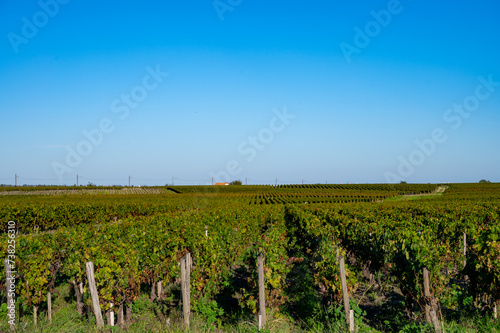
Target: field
{"points": [[388, 237]]}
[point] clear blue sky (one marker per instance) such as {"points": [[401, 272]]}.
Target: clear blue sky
{"points": [[355, 84]]}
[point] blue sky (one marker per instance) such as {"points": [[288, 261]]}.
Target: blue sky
{"points": [[366, 92]]}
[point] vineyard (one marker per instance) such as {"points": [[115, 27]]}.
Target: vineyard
{"points": [[431, 264], [88, 191]]}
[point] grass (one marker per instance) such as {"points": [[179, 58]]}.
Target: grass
{"points": [[389, 318], [66, 319], [438, 192], [412, 197]]}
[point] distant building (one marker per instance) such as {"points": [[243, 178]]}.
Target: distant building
{"points": [[221, 184]]}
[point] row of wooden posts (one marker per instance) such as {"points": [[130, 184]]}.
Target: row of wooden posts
{"points": [[430, 305], [186, 264]]}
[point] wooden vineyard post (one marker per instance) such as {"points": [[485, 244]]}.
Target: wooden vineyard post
{"points": [[427, 295], [495, 310], [351, 320], [129, 314], [345, 296], [119, 316], [435, 322], [189, 263], [49, 306], [430, 308], [35, 315], [185, 289], [160, 289], [79, 297], [465, 248], [262, 292], [183, 286], [94, 295], [153, 291], [10, 288], [110, 315]]}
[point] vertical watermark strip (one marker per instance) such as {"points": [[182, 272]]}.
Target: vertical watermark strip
{"points": [[10, 266]]}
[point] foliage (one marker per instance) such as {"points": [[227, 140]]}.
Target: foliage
{"points": [[225, 232]]}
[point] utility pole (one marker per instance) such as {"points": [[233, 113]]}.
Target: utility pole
{"points": [[76, 180], [302, 181], [276, 181], [15, 181], [246, 183], [128, 180]]}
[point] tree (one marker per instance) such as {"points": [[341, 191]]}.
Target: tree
{"points": [[484, 181], [235, 182]]}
